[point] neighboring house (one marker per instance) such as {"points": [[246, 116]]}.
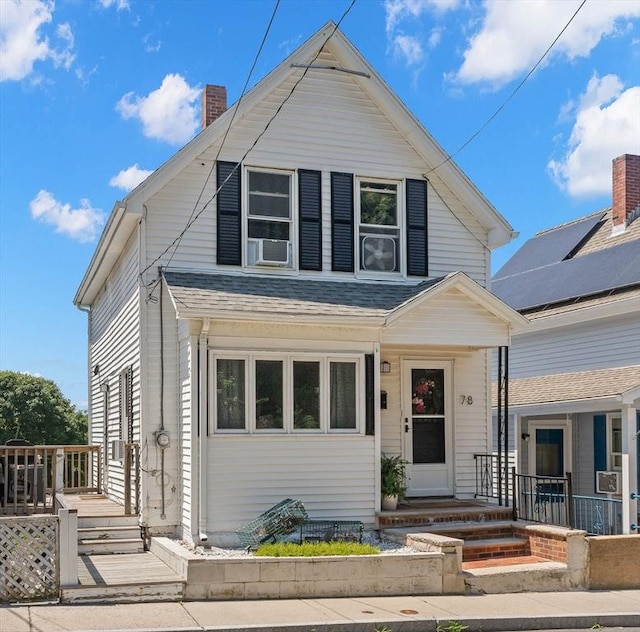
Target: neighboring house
{"points": [[267, 318], [574, 376]]}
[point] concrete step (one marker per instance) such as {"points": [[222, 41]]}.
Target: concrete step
{"points": [[491, 548], [124, 593], [109, 533], [535, 577], [110, 546]]}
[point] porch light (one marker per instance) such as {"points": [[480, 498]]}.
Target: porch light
{"points": [[385, 367], [525, 436]]}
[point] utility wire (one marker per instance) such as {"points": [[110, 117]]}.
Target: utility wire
{"points": [[457, 151], [195, 217], [176, 242]]}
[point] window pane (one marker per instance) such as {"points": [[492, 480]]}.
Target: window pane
{"points": [[378, 204], [342, 392], [275, 183], [268, 394], [259, 229], [428, 392], [428, 440], [269, 195], [616, 434], [306, 395], [230, 394]]}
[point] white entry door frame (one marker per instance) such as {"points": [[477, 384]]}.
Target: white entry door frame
{"points": [[427, 403]]}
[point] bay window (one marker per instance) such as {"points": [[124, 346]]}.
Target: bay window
{"points": [[281, 393]]}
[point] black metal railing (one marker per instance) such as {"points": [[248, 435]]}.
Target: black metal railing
{"points": [[487, 476], [545, 499]]}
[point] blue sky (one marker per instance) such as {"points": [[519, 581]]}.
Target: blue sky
{"points": [[94, 94]]}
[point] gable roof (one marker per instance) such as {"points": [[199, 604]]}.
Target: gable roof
{"points": [[448, 179], [270, 299], [570, 262]]}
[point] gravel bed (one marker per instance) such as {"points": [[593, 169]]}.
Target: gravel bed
{"points": [[387, 547]]}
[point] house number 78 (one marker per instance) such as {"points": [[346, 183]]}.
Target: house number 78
{"points": [[466, 399]]}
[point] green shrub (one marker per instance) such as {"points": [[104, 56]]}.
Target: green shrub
{"points": [[313, 549]]}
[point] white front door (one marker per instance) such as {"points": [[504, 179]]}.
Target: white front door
{"points": [[427, 428]]}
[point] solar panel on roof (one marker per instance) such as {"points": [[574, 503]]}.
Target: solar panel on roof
{"points": [[549, 247], [596, 272]]}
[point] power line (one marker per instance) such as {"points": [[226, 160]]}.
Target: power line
{"points": [[176, 242], [457, 151], [195, 217]]}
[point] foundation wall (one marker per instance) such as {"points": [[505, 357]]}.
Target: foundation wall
{"points": [[614, 562]]}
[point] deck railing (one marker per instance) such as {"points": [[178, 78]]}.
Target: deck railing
{"points": [[597, 515], [30, 476]]}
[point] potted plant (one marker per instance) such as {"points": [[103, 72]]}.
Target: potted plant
{"points": [[393, 485]]}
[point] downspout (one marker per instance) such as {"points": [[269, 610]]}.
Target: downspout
{"points": [[203, 426]]}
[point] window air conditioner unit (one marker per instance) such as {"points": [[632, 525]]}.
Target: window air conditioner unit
{"points": [[117, 450], [273, 252], [608, 482], [378, 253]]}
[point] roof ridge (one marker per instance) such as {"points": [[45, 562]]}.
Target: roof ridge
{"points": [[603, 211]]}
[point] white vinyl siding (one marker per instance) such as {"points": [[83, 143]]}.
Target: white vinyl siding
{"points": [[333, 475], [470, 434], [114, 345], [600, 344], [451, 319], [359, 140]]}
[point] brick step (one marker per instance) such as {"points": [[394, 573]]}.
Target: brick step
{"points": [[494, 548], [442, 516], [474, 530], [110, 546]]}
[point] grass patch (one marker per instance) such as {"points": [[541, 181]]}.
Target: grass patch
{"points": [[313, 549]]}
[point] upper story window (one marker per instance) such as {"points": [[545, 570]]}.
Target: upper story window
{"points": [[269, 204], [379, 243]]}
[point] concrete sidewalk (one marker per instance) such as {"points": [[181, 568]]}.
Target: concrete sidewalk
{"points": [[522, 611]]}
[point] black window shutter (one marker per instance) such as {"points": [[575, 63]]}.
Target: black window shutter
{"points": [[599, 444], [229, 224], [369, 381], [417, 254], [310, 212], [342, 222]]}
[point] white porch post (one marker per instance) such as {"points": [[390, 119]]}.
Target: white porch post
{"points": [[203, 442], [629, 468], [68, 535]]}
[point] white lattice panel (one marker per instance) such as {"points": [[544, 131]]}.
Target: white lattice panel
{"points": [[29, 558]]}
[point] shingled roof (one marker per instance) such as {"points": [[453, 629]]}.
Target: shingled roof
{"points": [[200, 293]]}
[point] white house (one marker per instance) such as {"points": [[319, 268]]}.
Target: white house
{"points": [[299, 289], [574, 375]]}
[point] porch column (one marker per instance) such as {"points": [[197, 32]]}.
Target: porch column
{"points": [[203, 429], [629, 468]]}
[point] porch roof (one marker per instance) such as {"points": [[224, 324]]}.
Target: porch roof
{"points": [[315, 301], [201, 294], [606, 386]]}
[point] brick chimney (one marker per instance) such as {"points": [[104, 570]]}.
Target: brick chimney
{"points": [[214, 103], [625, 190]]}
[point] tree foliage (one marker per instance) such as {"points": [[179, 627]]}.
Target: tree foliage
{"points": [[35, 409]]}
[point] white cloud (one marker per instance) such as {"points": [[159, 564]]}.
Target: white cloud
{"points": [[22, 42], [514, 35], [81, 224], [169, 113], [120, 5], [128, 179], [606, 125], [402, 14], [409, 48]]}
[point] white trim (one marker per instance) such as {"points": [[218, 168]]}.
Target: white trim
{"points": [[550, 424], [629, 305], [249, 357], [407, 364]]}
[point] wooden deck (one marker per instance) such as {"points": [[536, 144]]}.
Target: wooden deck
{"points": [[134, 568], [93, 505]]}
